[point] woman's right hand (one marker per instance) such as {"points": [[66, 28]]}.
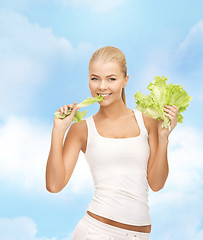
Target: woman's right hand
{"points": [[64, 123]]}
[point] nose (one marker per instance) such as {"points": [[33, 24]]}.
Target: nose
{"points": [[102, 85]]}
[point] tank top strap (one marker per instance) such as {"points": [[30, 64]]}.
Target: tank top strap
{"points": [[140, 121], [90, 127]]}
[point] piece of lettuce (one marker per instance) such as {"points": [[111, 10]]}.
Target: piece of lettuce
{"points": [[162, 94], [79, 116]]}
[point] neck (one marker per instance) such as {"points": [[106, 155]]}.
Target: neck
{"points": [[113, 110]]}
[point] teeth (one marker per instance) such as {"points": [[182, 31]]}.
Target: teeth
{"points": [[105, 94]]}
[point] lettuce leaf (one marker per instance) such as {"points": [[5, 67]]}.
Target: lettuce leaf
{"points": [[162, 94], [79, 116]]}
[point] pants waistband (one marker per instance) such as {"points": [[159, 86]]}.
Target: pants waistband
{"points": [[113, 230]]}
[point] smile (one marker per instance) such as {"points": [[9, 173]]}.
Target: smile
{"points": [[105, 95]]}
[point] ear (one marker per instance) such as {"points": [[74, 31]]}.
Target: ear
{"points": [[125, 81]]}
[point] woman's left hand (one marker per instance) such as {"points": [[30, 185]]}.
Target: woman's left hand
{"points": [[171, 112]]}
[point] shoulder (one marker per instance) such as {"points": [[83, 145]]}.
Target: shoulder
{"points": [[150, 123], [81, 129], [77, 133], [77, 126], [78, 129]]}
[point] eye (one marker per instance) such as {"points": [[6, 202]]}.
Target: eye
{"points": [[109, 78]]}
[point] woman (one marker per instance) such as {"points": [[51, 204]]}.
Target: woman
{"points": [[126, 151]]}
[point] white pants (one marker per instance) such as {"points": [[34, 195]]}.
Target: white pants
{"points": [[89, 228]]}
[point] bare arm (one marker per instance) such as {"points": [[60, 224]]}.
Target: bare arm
{"points": [[158, 169], [55, 171], [63, 157]]}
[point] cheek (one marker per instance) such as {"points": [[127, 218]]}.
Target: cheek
{"points": [[92, 85], [116, 88]]}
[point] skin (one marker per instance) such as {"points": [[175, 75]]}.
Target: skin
{"points": [[111, 121], [114, 107]]}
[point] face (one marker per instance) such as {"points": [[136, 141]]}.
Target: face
{"points": [[106, 78]]}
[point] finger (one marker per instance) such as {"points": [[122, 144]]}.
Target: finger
{"points": [[176, 107], [66, 109], [172, 108], [170, 111], [173, 121], [61, 110], [75, 104], [70, 106], [169, 116]]}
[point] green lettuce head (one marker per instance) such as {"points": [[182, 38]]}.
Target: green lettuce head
{"points": [[79, 116], [162, 94]]}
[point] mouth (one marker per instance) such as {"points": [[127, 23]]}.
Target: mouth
{"points": [[104, 94]]}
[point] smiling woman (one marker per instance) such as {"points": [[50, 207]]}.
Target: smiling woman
{"points": [[119, 208], [124, 152]]}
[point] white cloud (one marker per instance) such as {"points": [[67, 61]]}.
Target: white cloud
{"points": [[25, 145], [194, 37], [17, 228], [22, 228], [100, 6], [27, 48], [28, 55], [156, 64], [183, 65], [22, 37], [189, 54]]}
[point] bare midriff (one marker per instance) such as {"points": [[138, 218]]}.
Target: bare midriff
{"points": [[146, 229]]}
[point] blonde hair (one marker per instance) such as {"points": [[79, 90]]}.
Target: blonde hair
{"points": [[108, 54]]}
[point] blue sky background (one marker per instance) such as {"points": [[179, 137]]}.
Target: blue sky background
{"points": [[45, 48]]}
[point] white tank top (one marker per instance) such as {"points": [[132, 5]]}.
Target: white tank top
{"points": [[119, 170]]}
